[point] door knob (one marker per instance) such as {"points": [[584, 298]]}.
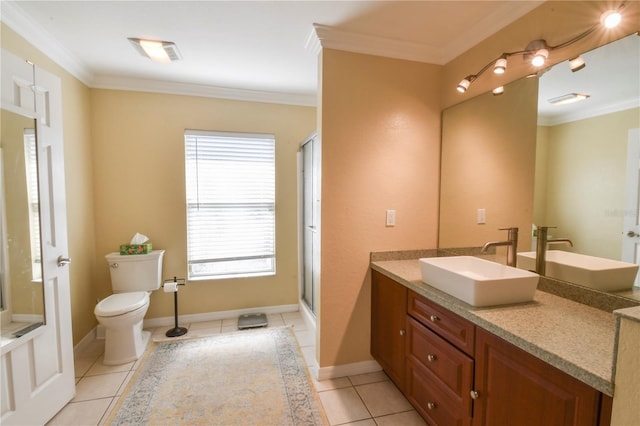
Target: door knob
{"points": [[63, 261], [631, 234]]}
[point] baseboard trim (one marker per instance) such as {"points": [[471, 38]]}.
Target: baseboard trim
{"points": [[353, 369], [84, 342], [212, 316]]}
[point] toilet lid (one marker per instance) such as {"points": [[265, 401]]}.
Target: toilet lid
{"points": [[121, 303]]}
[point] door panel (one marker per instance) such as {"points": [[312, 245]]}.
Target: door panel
{"points": [[37, 368]]}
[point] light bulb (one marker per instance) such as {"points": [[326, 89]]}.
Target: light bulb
{"points": [[464, 85], [611, 18], [540, 58], [500, 66], [576, 64]]}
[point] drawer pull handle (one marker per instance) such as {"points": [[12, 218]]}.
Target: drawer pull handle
{"points": [[431, 357], [431, 405], [403, 332], [474, 394], [434, 318]]}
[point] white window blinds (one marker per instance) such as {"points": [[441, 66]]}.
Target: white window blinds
{"points": [[230, 180]]}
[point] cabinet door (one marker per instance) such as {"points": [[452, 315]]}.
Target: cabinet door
{"points": [[516, 388], [388, 328]]}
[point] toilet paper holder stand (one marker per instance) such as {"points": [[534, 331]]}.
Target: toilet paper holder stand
{"points": [[175, 331]]}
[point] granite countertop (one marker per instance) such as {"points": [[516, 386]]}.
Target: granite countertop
{"points": [[576, 338]]}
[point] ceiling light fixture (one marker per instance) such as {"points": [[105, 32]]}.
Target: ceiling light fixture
{"points": [[156, 50], [568, 98], [577, 63], [537, 52], [498, 91]]}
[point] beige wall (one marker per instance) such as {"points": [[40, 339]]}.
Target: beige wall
{"points": [[586, 163], [380, 133], [138, 163], [78, 176], [488, 162]]}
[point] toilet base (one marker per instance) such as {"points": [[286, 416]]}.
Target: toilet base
{"points": [[123, 345]]}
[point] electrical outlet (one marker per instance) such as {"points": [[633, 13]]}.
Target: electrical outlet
{"points": [[391, 218]]}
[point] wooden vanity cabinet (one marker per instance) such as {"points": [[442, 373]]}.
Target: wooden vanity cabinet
{"points": [[388, 326], [517, 388], [438, 377], [439, 360]]}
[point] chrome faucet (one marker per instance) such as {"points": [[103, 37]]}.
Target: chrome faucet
{"points": [[541, 247], [512, 243]]}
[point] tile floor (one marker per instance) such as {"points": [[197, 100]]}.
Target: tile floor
{"points": [[363, 400]]}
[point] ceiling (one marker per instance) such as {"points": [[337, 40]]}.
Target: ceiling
{"points": [[253, 50], [267, 50], [611, 78]]}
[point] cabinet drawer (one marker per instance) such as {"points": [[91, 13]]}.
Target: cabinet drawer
{"points": [[432, 400], [448, 325], [451, 367]]}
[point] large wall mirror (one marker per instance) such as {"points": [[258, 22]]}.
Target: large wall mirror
{"points": [[570, 171], [21, 288]]}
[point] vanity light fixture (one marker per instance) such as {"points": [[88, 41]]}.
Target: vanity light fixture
{"points": [[156, 50], [501, 65], [568, 98], [537, 52], [465, 83], [576, 64], [611, 18], [540, 58]]}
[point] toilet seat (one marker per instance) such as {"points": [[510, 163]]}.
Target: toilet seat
{"points": [[121, 303]]}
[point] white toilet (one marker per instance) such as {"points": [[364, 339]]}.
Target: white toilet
{"points": [[133, 277]]}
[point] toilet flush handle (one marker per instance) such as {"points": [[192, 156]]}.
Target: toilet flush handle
{"points": [[114, 265]]}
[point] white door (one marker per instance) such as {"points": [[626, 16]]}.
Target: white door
{"points": [[37, 369], [631, 230]]}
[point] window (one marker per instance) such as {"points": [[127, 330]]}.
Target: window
{"points": [[230, 179], [31, 167]]}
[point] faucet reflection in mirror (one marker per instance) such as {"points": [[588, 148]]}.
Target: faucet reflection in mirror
{"points": [[542, 243], [537, 52]]}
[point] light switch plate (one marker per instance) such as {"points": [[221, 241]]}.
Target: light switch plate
{"points": [[482, 216], [391, 218]]}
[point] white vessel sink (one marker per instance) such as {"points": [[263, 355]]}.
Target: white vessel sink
{"points": [[479, 282], [589, 271]]}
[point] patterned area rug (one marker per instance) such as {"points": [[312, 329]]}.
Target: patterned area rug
{"points": [[251, 377]]}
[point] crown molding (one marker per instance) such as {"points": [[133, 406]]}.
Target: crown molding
{"points": [[334, 38], [15, 18], [201, 90], [588, 113]]}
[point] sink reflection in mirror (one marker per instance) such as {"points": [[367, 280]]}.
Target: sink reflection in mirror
{"points": [[589, 271], [479, 282]]}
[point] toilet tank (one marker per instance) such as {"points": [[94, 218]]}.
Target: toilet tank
{"points": [[135, 272]]}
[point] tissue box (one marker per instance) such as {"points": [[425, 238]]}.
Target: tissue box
{"points": [[135, 248]]}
